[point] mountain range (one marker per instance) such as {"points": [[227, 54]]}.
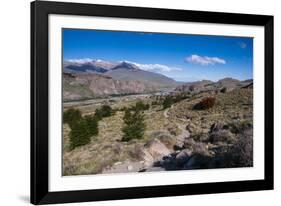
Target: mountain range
{"points": [[118, 70], [88, 79], [207, 85], [84, 79]]}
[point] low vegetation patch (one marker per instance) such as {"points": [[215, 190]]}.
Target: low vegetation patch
{"points": [[141, 106], [170, 100], [205, 103], [82, 131], [104, 111], [80, 134], [134, 125], [237, 127], [71, 116], [241, 153], [83, 128]]}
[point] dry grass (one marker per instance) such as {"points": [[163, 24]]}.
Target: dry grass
{"points": [[233, 108], [107, 148]]}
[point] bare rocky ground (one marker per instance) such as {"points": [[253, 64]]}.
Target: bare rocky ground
{"points": [[177, 138]]}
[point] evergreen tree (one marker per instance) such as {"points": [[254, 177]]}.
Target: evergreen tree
{"points": [[168, 101], [80, 134], [134, 125], [104, 111], [92, 123], [71, 116], [141, 106]]}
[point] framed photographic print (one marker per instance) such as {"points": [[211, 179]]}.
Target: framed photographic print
{"points": [[131, 102]]}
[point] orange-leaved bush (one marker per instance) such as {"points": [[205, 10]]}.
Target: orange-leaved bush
{"points": [[205, 103]]}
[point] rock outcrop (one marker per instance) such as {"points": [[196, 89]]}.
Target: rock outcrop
{"points": [[89, 85]]}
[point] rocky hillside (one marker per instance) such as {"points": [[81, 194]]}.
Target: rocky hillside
{"points": [[97, 66], [228, 84], [176, 138], [89, 85], [127, 71], [96, 78]]}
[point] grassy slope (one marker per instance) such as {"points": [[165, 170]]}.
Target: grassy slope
{"points": [[107, 149]]}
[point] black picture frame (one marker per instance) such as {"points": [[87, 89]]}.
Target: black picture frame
{"points": [[40, 110]]}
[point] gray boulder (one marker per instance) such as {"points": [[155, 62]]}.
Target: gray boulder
{"points": [[183, 156], [224, 136], [198, 161], [156, 149]]}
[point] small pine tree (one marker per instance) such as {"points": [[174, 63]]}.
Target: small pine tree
{"points": [[134, 125], [141, 106], [104, 111], [80, 134], [92, 123], [168, 101], [71, 116]]}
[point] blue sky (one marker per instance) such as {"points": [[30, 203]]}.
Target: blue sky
{"points": [[179, 56]]}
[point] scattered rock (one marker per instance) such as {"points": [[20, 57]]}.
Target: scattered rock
{"points": [[117, 163], [130, 167], [198, 161], [124, 167], [200, 148], [168, 141], [180, 139], [157, 149], [183, 156], [216, 127], [147, 158], [222, 136], [189, 142], [190, 127]]}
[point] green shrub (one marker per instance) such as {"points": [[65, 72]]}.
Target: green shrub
{"points": [[71, 116], [92, 124], [155, 103], [104, 111], [180, 97], [205, 103], [134, 125], [141, 106], [168, 101], [80, 134]]}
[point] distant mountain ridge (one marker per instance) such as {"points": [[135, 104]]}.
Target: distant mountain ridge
{"points": [[98, 66], [78, 86], [125, 65], [129, 71], [207, 85], [84, 79]]}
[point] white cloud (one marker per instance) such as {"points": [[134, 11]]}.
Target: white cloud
{"points": [[80, 61], [155, 67], [204, 60]]}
